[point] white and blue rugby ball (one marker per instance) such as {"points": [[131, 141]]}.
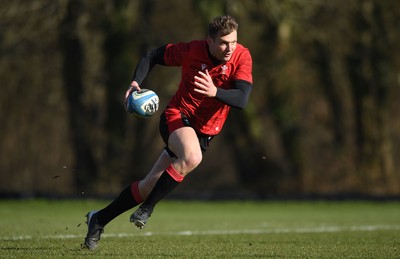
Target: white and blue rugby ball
{"points": [[143, 103]]}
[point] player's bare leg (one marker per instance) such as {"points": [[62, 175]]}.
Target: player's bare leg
{"points": [[184, 143], [147, 184]]}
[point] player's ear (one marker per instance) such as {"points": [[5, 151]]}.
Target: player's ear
{"points": [[210, 41]]}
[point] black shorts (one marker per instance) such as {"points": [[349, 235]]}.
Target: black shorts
{"points": [[172, 119]]}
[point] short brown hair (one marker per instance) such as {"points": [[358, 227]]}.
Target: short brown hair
{"points": [[222, 25]]}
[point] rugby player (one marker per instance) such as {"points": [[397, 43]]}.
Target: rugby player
{"points": [[216, 75]]}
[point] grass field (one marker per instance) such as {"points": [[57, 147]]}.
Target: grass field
{"points": [[56, 228]]}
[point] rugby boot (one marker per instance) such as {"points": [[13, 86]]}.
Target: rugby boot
{"points": [[94, 230], [140, 217]]}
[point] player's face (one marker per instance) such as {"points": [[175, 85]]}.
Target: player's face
{"points": [[222, 47]]}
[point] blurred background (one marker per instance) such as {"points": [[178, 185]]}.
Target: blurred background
{"points": [[323, 118]]}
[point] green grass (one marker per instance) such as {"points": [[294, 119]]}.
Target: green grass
{"points": [[52, 228]]}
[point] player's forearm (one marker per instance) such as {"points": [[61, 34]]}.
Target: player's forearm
{"points": [[147, 62], [238, 96]]}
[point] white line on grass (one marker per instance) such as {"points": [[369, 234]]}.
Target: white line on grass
{"points": [[324, 229]]}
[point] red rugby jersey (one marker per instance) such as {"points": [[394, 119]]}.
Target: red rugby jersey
{"points": [[207, 115]]}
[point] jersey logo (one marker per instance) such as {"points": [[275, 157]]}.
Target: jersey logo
{"points": [[224, 68], [203, 66]]}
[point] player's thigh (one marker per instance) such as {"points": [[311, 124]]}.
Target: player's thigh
{"points": [[185, 143]]}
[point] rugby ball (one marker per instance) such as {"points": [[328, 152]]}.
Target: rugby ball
{"points": [[143, 103]]}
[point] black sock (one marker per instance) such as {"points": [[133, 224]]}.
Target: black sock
{"points": [[163, 187], [124, 202]]}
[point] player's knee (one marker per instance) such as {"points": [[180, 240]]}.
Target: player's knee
{"points": [[191, 161], [195, 160]]}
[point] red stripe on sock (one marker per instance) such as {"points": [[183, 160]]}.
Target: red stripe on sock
{"points": [[174, 174], [135, 192]]}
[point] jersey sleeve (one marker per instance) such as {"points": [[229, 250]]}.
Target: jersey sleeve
{"points": [[238, 96], [244, 67], [174, 53], [147, 62]]}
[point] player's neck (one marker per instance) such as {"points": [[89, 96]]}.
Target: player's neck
{"points": [[213, 59]]}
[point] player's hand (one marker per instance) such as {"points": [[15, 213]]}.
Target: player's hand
{"points": [[134, 86], [204, 84]]}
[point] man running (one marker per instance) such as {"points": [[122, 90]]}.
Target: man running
{"points": [[216, 75]]}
